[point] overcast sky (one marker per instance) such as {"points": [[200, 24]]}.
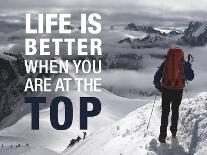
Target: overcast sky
{"points": [[159, 4], [167, 11]]}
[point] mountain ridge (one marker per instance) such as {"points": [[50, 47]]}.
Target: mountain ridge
{"points": [[130, 136]]}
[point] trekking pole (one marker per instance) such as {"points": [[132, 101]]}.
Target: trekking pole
{"points": [[151, 111]]}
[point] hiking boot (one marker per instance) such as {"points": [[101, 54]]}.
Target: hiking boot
{"points": [[162, 140], [173, 134]]}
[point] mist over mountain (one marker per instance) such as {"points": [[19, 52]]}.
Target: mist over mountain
{"points": [[194, 35], [131, 54]]}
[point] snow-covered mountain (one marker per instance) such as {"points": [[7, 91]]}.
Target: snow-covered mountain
{"points": [[154, 38], [144, 28], [11, 83], [196, 34], [129, 136]]}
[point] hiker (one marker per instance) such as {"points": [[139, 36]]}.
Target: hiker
{"points": [[170, 81], [72, 142], [78, 139], [84, 135]]}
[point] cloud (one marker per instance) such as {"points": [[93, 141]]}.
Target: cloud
{"points": [[157, 12], [161, 5]]}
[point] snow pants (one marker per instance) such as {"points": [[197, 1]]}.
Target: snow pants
{"points": [[170, 97]]}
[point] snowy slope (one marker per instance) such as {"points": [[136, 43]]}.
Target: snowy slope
{"points": [[58, 140], [129, 136]]}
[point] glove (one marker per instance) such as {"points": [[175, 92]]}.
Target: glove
{"points": [[190, 58]]}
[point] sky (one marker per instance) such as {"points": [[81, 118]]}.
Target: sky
{"points": [[160, 4], [143, 11]]}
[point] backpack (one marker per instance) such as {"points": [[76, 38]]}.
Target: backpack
{"points": [[173, 71]]}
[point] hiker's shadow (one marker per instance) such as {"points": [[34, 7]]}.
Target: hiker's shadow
{"points": [[173, 148]]}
